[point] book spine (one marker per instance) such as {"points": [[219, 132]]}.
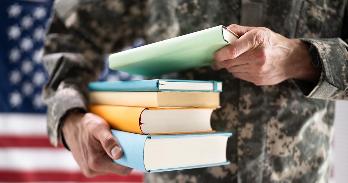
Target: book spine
{"points": [[142, 85], [133, 149], [137, 99], [119, 117]]}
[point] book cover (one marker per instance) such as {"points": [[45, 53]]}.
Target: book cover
{"points": [[177, 152], [142, 120], [175, 54], [157, 85], [156, 99]]}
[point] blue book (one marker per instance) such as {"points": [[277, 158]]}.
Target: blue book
{"points": [[158, 153], [157, 85]]}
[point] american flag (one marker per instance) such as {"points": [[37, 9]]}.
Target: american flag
{"points": [[25, 152]]}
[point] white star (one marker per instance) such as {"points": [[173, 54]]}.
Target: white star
{"points": [[26, 44], [27, 67], [39, 13], [27, 89], [15, 77], [37, 56], [14, 55], [14, 10], [37, 102], [14, 32], [39, 33], [15, 99], [39, 78], [112, 77], [27, 22]]}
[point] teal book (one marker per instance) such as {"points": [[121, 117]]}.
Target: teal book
{"points": [[158, 153], [157, 85], [184, 52]]}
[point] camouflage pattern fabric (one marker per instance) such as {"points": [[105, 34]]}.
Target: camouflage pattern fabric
{"points": [[282, 133]]}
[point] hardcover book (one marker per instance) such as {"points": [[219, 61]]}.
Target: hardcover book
{"points": [[157, 85], [175, 54], [156, 99], [157, 153], [143, 120]]}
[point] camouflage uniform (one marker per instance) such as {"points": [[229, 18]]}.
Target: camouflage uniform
{"points": [[282, 133]]}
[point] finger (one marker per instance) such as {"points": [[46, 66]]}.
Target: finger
{"points": [[243, 76], [215, 66], [236, 48], [251, 57], [238, 29], [240, 69], [112, 167], [106, 165], [228, 63], [91, 173], [109, 143], [221, 65], [244, 59]]}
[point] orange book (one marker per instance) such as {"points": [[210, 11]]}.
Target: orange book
{"points": [[144, 120]]}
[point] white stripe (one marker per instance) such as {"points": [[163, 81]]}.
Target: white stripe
{"points": [[22, 124], [33, 159], [36, 159]]}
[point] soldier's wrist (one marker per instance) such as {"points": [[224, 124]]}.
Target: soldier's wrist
{"points": [[71, 116], [303, 67]]}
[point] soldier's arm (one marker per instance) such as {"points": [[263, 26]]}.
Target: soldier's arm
{"points": [[82, 33], [331, 57], [71, 63], [85, 31]]}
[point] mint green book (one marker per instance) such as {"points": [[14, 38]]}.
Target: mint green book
{"points": [[184, 52]]}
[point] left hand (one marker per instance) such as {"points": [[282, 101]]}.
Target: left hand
{"points": [[264, 57]]}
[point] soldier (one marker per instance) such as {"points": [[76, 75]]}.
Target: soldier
{"points": [[277, 89]]}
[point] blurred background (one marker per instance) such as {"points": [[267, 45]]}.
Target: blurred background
{"points": [[25, 152]]}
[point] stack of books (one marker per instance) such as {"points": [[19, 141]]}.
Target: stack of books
{"points": [[162, 125]]}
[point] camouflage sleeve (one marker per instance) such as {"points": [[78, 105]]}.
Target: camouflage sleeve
{"points": [[70, 67], [333, 57], [81, 34]]}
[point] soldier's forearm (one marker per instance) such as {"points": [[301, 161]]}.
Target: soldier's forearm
{"points": [[333, 57]]}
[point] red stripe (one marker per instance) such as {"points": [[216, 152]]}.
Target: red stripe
{"points": [[25, 141], [38, 176]]}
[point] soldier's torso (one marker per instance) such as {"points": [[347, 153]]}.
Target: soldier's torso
{"points": [[279, 135]]}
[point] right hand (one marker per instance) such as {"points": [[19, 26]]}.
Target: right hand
{"points": [[92, 144]]}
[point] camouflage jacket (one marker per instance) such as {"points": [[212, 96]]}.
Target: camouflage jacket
{"points": [[282, 133]]}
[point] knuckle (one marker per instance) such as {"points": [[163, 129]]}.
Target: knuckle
{"points": [[232, 52], [93, 123], [218, 56], [258, 38], [124, 171], [88, 173], [108, 140], [233, 26], [261, 55], [265, 29], [258, 71], [93, 163], [258, 82], [261, 34]]}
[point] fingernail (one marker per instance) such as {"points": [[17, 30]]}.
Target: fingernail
{"points": [[116, 152]]}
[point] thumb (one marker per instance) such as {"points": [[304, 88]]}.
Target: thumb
{"points": [[109, 143]]}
